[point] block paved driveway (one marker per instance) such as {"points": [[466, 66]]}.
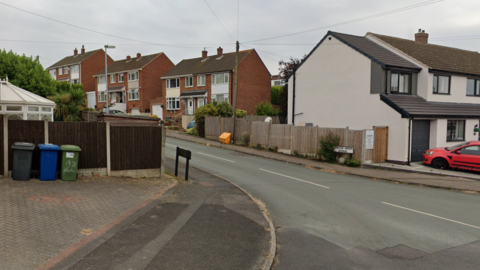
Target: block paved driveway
{"points": [[39, 219]]}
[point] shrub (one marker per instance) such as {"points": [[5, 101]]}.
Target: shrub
{"points": [[153, 116], [192, 131], [245, 138], [207, 110], [224, 109], [327, 145], [241, 113], [295, 153], [276, 95], [351, 162], [259, 147], [270, 149], [173, 128], [266, 108]]}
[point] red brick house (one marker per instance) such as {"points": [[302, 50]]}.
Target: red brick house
{"points": [[133, 82], [194, 82], [79, 68]]}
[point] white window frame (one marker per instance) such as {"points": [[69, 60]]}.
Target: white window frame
{"points": [[113, 78], [201, 80], [220, 78], [101, 79], [53, 72], [133, 75], [60, 71], [177, 80], [65, 70], [74, 69], [102, 96], [225, 97], [121, 77], [175, 101], [190, 80], [133, 94]]}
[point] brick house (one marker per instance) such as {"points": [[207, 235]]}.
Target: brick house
{"points": [[195, 82], [79, 68], [133, 83]]}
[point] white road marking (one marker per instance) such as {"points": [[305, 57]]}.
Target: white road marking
{"points": [[215, 157], [170, 144], [430, 215], [315, 184]]}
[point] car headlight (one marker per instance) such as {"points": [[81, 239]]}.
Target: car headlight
{"points": [[429, 153]]}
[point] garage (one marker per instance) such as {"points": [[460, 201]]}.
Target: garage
{"points": [[420, 138]]}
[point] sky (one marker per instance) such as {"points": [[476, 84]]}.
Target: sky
{"points": [[182, 28]]}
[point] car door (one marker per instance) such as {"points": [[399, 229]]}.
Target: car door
{"points": [[469, 156]]}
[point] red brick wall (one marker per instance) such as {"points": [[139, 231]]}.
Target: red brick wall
{"points": [[91, 66], [117, 83], [63, 76]]}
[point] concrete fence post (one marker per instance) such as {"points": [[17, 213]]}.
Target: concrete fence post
{"points": [[162, 160], [269, 133], [5, 145], [109, 167], [45, 129], [364, 134]]}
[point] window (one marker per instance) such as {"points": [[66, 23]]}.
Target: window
{"points": [[74, 69], [75, 81], [473, 87], [113, 78], [133, 94], [101, 79], [173, 83], [400, 83], [120, 77], [14, 108], [102, 97], [53, 73], [277, 83], [188, 81], [220, 78], [220, 98], [46, 109], [471, 150], [201, 80], [173, 103], [65, 70], [60, 71], [33, 109], [441, 84], [133, 76], [455, 130]]}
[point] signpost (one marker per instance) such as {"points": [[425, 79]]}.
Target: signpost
{"points": [[187, 154], [343, 149], [369, 139]]}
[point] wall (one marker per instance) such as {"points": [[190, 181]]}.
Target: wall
{"points": [[333, 90], [438, 132]]}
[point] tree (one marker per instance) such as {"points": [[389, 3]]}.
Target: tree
{"points": [[276, 95], [207, 110], [69, 102], [27, 73], [286, 69], [266, 108]]}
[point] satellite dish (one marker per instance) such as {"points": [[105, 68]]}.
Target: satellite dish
{"points": [[268, 120]]}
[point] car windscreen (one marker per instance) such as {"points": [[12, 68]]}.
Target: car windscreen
{"points": [[455, 146]]}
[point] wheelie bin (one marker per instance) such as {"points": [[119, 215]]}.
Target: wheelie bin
{"points": [[47, 171], [69, 169], [22, 160]]}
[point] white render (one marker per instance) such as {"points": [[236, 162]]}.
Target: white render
{"points": [[218, 89]]}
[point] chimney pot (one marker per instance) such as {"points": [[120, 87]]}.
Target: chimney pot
{"points": [[83, 49], [421, 37], [128, 58], [219, 52], [204, 54], [75, 52], [139, 55]]}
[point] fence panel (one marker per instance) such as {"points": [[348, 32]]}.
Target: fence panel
{"points": [[304, 139], [355, 138], [260, 133], [280, 136], [212, 127], [2, 171], [227, 124], [242, 126], [25, 131], [134, 148], [89, 136], [336, 131]]}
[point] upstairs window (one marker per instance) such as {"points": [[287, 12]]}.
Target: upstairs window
{"points": [[133, 94], [113, 78], [473, 87], [188, 81], [201, 80], [65, 70], [53, 73], [221, 78], [101, 79], [455, 130], [60, 71], [441, 84], [173, 83], [133, 76], [74, 69], [121, 77], [400, 83]]}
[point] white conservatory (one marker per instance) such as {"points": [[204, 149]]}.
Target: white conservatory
{"points": [[20, 104]]}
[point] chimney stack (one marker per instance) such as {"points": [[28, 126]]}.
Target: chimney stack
{"points": [[83, 49], [421, 37], [219, 52], [139, 55], [75, 52], [128, 58], [204, 54]]}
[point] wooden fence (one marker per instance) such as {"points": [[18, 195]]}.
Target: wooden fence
{"points": [[102, 147], [216, 125]]}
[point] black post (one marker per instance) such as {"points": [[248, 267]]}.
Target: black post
{"points": [[187, 155], [176, 162], [186, 169]]}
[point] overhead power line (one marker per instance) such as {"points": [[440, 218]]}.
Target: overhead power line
{"points": [[430, 2], [94, 43], [219, 20]]}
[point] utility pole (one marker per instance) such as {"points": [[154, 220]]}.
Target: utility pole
{"points": [[235, 93]]}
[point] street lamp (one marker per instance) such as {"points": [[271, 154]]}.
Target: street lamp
{"points": [[106, 73]]}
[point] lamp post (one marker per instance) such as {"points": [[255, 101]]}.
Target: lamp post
{"points": [[106, 73]]}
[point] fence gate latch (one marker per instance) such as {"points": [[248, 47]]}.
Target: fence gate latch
{"points": [[187, 154]]}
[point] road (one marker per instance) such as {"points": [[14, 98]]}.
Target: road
{"points": [[334, 221]]}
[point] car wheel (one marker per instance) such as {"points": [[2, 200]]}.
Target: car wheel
{"points": [[440, 163]]}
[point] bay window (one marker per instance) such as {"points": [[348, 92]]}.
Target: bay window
{"points": [[133, 94], [173, 103]]}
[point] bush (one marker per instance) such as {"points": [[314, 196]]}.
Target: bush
{"points": [[173, 128], [192, 131], [224, 109], [207, 110], [327, 145], [266, 108], [241, 113], [276, 95], [245, 138], [259, 147], [295, 153], [351, 162]]}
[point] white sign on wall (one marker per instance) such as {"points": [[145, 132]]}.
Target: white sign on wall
{"points": [[369, 139]]}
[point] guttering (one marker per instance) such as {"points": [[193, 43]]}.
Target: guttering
{"points": [[409, 150]]}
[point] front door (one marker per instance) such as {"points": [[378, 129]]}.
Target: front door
{"points": [[420, 138], [190, 106], [469, 156], [157, 110]]}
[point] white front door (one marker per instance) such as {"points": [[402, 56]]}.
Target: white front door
{"points": [[91, 100], [157, 110], [189, 106]]}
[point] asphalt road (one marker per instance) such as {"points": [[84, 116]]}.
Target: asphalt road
{"points": [[334, 221]]}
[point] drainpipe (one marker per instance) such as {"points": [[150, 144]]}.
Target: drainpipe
{"points": [[293, 100], [409, 150]]}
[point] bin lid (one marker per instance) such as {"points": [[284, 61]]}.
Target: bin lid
{"points": [[48, 146], [23, 146], [73, 148]]}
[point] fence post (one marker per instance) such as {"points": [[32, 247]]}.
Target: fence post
{"points": [[45, 128], [269, 133], [109, 167], [5, 145], [221, 125], [346, 137], [162, 160], [316, 141], [291, 139], [364, 133]]}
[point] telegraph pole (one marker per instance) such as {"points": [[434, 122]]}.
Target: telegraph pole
{"points": [[235, 93]]}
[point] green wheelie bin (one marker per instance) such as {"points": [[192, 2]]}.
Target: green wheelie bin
{"points": [[69, 168]]}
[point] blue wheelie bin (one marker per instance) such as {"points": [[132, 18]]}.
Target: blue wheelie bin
{"points": [[47, 170]]}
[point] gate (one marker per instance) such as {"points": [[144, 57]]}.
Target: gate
{"points": [[380, 148]]}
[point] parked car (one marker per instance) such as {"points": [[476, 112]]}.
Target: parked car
{"points": [[464, 156], [116, 112], [191, 125]]}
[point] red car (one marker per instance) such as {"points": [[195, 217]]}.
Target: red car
{"points": [[465, 156]]}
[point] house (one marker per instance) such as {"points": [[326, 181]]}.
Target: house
{"points": [[426, 95], [277, 80], [195, 82], [133, 83], [79, 68]]}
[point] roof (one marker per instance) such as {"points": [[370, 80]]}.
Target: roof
{"points": [[132, 64], [440, 58], [368, 48], [73, 59], [210, 65], [415, 106], [11, 94]]}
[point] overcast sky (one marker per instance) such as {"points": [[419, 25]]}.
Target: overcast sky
{"points": [[189, 25]]}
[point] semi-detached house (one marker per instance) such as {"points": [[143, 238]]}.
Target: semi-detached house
{"points": [[426, 95], [194, 82]]}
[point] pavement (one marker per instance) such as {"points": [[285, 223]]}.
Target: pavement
{"points": [[127, 223], [425, 176]]}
